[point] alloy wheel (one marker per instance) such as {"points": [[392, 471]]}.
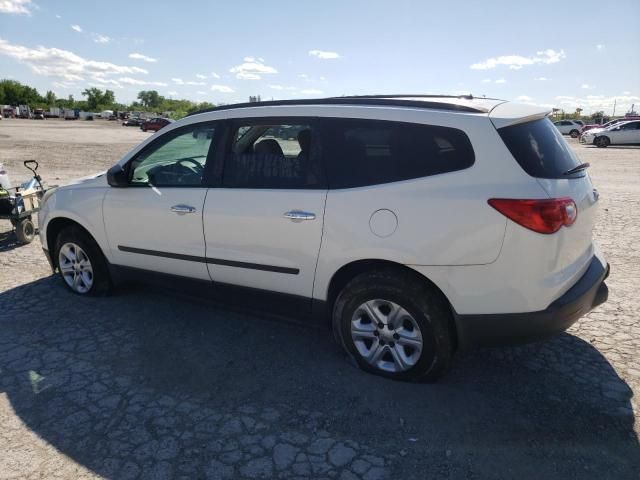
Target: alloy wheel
{"points": [[75, 266], [386, 335]]}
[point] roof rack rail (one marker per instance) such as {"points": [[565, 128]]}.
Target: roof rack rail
{"points": [[371, 100]]}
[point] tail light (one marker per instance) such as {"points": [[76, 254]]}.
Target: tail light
{"points": [[542, 216]]}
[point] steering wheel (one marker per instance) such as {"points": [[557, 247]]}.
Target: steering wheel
{"points": [[199, 168]]}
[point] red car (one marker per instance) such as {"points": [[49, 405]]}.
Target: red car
{"points": [[155, 124], [608, 124]]}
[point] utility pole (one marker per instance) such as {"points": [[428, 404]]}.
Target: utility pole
{"points": [[614, 107]]}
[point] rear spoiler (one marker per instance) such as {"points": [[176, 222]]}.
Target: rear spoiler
{"points": [[506, 114]]}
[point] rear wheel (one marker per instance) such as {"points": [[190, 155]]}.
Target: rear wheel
{"points": [[602, 142], [574, 133], [25, 230], [81, 263], [394, 325]]}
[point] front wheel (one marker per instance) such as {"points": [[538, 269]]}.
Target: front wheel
{"points": [[574, 133], [602, 142], [81, 263], [394, 325]]}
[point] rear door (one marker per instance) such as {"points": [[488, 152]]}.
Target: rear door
{"points": [[542, 153], [263, 226]]}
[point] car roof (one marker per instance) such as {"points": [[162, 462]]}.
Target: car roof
{"points": [[461, 103]]}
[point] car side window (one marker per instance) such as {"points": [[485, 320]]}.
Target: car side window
{"points": [[177, 159], [371, 152], [273, 155], [631, 126]]}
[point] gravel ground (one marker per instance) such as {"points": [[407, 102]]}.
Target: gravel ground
{"points": [[146, 384]]}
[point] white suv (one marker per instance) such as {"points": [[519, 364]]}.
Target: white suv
{"points": [[416, 225], [569, 127]]}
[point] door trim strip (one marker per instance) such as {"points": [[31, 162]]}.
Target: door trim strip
{"points": [[213, 261]]}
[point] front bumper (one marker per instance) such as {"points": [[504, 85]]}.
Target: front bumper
{"points": [[513, 328]]}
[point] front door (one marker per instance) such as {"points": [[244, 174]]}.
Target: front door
{"points": [[156, 222], [263, 227]]}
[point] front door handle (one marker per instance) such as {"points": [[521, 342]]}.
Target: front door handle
{"points": [[182, 209], [299, 215]]}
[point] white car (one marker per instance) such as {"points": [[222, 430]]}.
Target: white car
{"points": [[569, 127], [416, 226], [623, 133]]}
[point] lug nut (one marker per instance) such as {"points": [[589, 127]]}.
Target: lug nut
{"points": [[396, 336], [392, 344], [381, 342], [381, 325], [376, 333]]}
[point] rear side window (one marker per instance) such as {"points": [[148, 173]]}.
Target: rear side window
{"points": [[371, 152], [540, 149], [273, 155]]}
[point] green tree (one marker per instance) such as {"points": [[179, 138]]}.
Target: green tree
{"points": [[150, 99], [94, 97], [109, 98], [50, 98]]}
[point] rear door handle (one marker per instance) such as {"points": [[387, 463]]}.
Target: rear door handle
{"points": [[182, 209], [299, 215]]}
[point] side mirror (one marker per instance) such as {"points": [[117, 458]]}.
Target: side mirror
{"points": [[117, 177]]}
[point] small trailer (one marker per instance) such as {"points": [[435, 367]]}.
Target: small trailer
{"points": [[20, 204]]}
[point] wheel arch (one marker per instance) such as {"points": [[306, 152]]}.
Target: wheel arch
{"points": [[55, 226], [349, 271]]}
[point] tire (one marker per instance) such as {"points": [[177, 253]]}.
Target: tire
{"points": [[425, 318], [574, 133], [144, 129], [25, 230], [88, 274], [602, 142]]}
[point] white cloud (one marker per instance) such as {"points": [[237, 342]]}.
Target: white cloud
{"points": [[55, 62], [524, 98], [144, 58], [542, 79], [501, 80], [173, 93], [58, 16], [77, 28], [311, 91], [486, 80], [100, 38], [252, 69], [215, 75], [324, 55], [626, 93], [179, 81], [221, 89], [586, 86], [200, 76], [200, 92], [600, 47], [598, 102], [16, 7], [135, 81], [516, 62]]}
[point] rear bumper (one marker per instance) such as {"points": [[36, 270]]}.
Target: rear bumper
{"points": [[513, 328]]}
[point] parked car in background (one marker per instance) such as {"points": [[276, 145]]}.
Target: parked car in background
{"points": [[133, 122], [608, 124], [622, 133], [340, 208], [38, 114], [568, 127], [155, 124]]}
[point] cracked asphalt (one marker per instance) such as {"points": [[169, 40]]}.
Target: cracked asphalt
{"points": [[148, 383]]}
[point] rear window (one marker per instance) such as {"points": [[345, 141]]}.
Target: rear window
{"points": [[540, 149], [372, 152]]}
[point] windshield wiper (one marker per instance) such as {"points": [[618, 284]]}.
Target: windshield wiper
{"points": [[579, 168]]}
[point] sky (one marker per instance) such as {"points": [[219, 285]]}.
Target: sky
{"points": [[551, 53]]}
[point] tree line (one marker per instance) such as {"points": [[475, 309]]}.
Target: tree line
{"points": [[94, 99]]}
